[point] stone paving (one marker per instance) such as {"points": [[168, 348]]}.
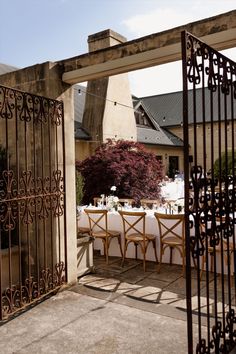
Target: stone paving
{"points": [[162, 293], [113, 310]]}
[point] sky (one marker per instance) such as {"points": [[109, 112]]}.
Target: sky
{"points": [[35, 31]]}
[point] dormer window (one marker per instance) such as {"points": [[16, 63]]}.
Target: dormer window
{"points": [[141, 118]]}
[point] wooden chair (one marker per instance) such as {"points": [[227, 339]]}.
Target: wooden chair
{"points": [[122, 201], [148, 203], [81, 230], [217, 249], [172, 235], [98, 227], [96, 200], [134, 232]]}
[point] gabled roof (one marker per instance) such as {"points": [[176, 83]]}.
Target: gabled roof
{"points": [[155, 135], [145, 135], [167, 109]]}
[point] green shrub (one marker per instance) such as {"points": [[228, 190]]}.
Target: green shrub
{"points": [[224, 167], [79, 188]]}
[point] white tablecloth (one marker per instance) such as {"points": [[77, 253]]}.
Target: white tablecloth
{"points": [[173, 190], [115, 223]]}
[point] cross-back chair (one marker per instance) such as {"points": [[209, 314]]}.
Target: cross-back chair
{"points": [[123, 201], [227, 249], [80, 229], [149, 203], [97, 200], [172, 235], [98, 228], [135, 232]]}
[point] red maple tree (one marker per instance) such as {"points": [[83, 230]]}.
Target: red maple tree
{"points": [[127, 165]]}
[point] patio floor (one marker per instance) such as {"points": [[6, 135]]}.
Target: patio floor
{"points": [[162, 293], [114, 310]]}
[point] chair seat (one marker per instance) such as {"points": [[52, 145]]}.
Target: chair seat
{"points": [[103, 234], [83, 230], [137, 237], [218, 248], [172, 241]]}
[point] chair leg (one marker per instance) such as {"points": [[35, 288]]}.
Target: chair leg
{"points": [[183, 257], [202, 267], [121, 252], [155, 249], [125, 248], [171, 250], [136, 251], [144, 260], [161, 252], [106, 249], [212, 261]]}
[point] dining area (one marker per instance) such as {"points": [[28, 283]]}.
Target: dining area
{"points": [[154, 231]]}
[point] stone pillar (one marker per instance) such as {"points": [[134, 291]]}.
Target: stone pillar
{"points": [[45, 79], [108, 107]]}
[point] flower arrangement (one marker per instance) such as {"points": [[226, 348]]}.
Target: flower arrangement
{"points": [[113, 190], [112, 202]]}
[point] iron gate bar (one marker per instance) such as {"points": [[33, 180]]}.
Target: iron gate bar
{"points": [[208, 109], [186, 196], [32, 199]]}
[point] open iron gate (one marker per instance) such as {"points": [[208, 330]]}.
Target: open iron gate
{"points": [[32, 202], [209, 107]]}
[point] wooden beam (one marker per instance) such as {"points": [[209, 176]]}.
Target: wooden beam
{"points": [[155, 49]]}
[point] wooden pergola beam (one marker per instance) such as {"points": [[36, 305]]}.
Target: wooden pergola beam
{"points": [[155, 49]]}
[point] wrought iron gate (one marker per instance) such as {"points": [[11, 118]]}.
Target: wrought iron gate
{"points": [[32, 217], [209, 107]]}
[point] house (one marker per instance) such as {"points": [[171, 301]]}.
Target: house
{"points": [[155, 121], [158, 139], [106, 109]]}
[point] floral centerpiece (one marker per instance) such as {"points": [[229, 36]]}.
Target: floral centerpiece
{"points": [[112, 200]]}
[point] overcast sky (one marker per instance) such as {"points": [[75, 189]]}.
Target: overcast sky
{"points": [[35, 31]]}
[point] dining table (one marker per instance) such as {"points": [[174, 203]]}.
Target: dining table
{"points": [[173, 190], [115, 223]]}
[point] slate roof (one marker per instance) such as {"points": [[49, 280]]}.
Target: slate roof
{"points": [[80, 132], [7, 68], [79, 103], [157, 137], [167, 109], [145, 135]]}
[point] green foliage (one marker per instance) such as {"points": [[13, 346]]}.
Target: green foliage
{"points": [[127, 165], [223, 167], [79, 188]]}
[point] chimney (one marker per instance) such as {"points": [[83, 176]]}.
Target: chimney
{"points": [[108, 109]]}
